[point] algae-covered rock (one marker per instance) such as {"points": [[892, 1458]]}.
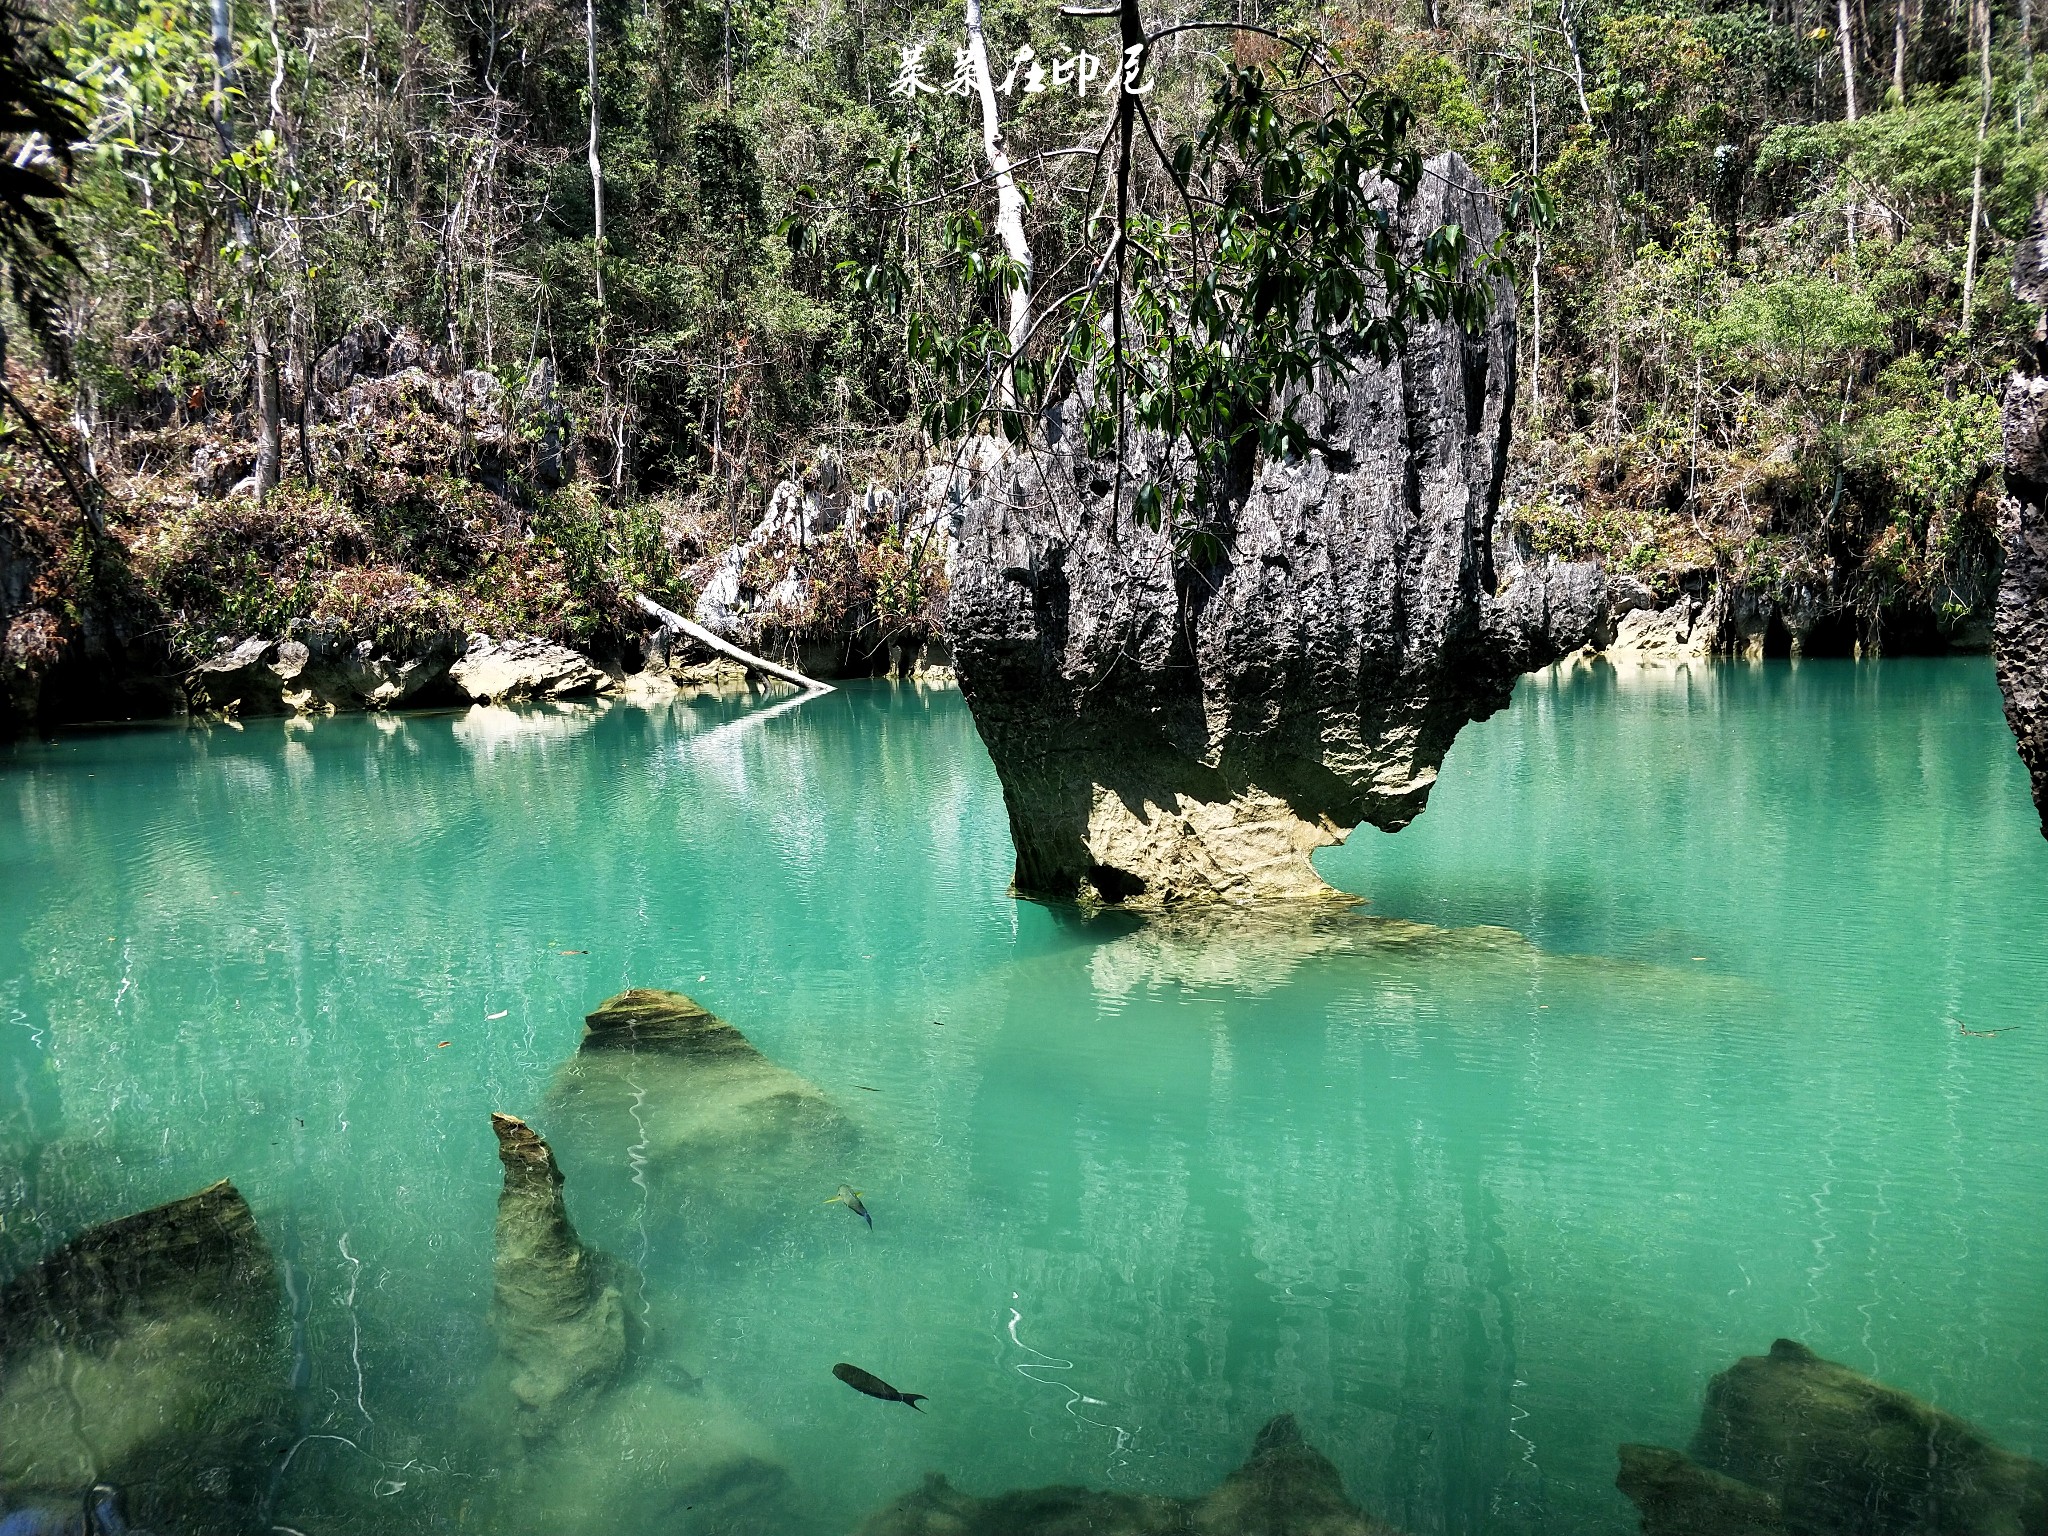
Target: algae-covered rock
{"points": [[1287, 1488], [556, 1305], [1839, 1454], [1679, 1497], [603, 1440], [148, 1353], [668, 1088]]}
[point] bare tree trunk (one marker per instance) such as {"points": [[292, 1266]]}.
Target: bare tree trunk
{"points": [[1571, 40], [1536, 262], [603, 363], [1982, 16], [1009, 205], [596, 165], [1899, 49], [268, 414], [1848, 58]]}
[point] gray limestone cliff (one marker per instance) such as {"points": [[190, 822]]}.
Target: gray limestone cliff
{"points": [[2022, 626], [1166, 733]]}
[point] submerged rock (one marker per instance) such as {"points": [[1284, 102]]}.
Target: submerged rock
{"points": [[2021, 631], [503, 671], [606, 1439], [149, 1353], [1679, 1497], [669, 1086], [556, 1305], [1286, 1488], [1165, 733], [1791, 1442]]}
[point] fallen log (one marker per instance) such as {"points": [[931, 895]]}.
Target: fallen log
{"points": [[724, 647]]}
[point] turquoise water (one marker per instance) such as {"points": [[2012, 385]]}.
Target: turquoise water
{"points": [[1648, 1049]]}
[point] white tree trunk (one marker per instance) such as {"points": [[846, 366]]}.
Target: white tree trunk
{"points": [[1982, 10], [724, 647], [1848, 57], [1009, 201]]}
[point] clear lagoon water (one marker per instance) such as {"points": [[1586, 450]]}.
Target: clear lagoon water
{"points": [[1649, 1048]]}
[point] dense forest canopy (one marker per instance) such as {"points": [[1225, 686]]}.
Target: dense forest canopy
{"points": [[664, 252]]}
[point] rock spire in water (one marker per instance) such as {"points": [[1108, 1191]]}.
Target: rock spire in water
{"points": [[555, 1306], [1165, 734], [2022, 626]]}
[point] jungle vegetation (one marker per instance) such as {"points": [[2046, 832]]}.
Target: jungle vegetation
{"points": [[688, 247]]}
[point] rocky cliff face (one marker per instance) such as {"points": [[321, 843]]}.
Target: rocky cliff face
{"points": [[2022, 626], [1164, 733]]}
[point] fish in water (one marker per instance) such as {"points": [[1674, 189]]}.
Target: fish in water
{"points": [[874, 1386], [849, 1197]]}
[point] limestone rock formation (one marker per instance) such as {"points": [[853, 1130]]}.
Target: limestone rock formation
{"points": [[1794, 1443], [556, 1306], [605, 1439], [1679, 1497], [668, 1097], [148, 1353], [502, 671], [1164, 733], [1287, 1488], [2022, 625], [320, 673]]}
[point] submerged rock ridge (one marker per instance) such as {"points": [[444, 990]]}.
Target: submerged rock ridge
{"points": [[556, 1306], [148, 1353], [1286, 1488], [665, 1084], [1790, 1444], [1164, 733], [2022, 625], [607, 1432]]}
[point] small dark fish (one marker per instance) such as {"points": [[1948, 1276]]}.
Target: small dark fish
{"points": [[874, 1386], [849, 1197]]}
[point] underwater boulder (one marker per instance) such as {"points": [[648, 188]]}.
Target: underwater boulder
{"points": [[1840, 1454], [556, 1306], [1679, 1497], [665, 1086], [1286, 1488], [150, 1353], [603, 1436]]}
